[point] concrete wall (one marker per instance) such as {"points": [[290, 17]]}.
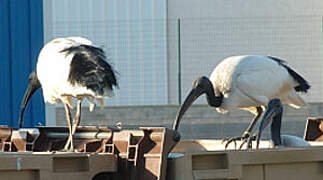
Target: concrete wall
{"points": [[200, 121], [214, 29]]}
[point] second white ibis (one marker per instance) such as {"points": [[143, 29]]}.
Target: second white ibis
{"points": [[70, 68], [247, 82]]}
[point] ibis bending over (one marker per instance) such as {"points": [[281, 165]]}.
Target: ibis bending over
{"points": [[249, 83], [274, 113], [70, 68]]}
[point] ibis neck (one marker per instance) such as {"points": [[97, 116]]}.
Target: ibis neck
{"points": [[212, 99], [275, 129]]}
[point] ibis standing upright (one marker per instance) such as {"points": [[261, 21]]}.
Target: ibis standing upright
{"points": [[247, 82], [71, 68]]}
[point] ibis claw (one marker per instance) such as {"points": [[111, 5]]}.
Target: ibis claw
{"points": [[244, 138], [248, 142], [230, 140]]}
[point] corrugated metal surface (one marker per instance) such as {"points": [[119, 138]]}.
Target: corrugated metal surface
{"points": [[21, 37], [133, 33]]}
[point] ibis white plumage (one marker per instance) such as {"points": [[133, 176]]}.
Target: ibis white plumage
{"points": [[274, 114], [70, 68], [247, 82]]}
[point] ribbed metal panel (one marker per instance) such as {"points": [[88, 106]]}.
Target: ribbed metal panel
{"points": [[21, 37]]}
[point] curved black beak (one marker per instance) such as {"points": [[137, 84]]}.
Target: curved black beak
{"points": [[274, 114], [200, 86], [192, 96], [33, 85]]}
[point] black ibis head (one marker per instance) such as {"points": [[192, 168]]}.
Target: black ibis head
{"points": [[200, 86], [273, 113], [33, 85]]}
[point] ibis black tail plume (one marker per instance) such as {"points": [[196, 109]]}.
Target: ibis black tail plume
{"points": [[33, 85], [303, 84], [89, 67]]}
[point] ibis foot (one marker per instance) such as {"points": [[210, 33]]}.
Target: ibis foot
{"points": [[248, 141], [244, 138], [69, 149], [69, 146]]}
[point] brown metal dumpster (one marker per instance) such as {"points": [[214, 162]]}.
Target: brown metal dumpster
{"points": [[55, 166], [103, 153], [262, 164]]}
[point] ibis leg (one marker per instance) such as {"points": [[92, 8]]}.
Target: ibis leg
{"points": [[253, 122], [246, 134], [69, 123], [77, 120]]}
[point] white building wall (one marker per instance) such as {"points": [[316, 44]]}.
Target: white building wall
{"points": [[135, 36], [214, 29], [132, 32]]}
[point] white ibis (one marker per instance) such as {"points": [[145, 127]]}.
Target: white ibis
{"points": [[248, 83], [70, 68], [274, 113]]}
